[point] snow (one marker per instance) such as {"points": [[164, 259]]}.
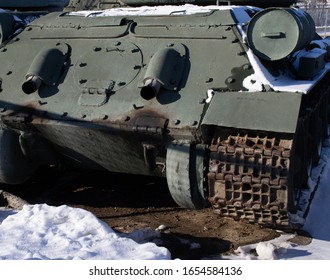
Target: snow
{"points": [[43, 232], [188, 9], [317, 224], [255, 82], [46, 232]]}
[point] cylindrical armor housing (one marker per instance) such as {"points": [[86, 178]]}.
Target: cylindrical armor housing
{"points": [[275, 33]]}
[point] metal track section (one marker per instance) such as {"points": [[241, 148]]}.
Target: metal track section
{"points": [[248, 176]]}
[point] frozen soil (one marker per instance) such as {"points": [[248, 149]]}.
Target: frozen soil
{"points": [[128, 203]]}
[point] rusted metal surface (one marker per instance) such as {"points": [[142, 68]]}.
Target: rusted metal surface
{"points": [[248, 176], [257, 176]]}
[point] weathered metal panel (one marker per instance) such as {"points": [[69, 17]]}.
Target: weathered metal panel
{"points": [[268, 111]]}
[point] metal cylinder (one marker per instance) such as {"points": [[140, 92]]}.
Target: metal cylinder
{"points": [[150, 89], [31, 84], [275, 33]]}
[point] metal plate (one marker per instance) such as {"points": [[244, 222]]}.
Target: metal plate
{"points": [[109, 66]]}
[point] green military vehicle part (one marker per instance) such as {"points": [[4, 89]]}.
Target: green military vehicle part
{"points": [[229, 103]]}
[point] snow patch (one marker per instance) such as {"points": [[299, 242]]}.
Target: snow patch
{"points": [[47, 232]]}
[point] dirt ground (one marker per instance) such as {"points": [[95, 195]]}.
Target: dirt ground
{"points": [[127, 203]]}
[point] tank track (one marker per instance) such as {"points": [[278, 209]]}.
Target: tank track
{"points": [[248, 176], [258, 176]]}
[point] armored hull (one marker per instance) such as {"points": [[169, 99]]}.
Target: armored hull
{"points": [[190, 93]]}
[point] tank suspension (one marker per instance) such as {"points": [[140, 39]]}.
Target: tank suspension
{"points": [[185, 174], [258, 176]]}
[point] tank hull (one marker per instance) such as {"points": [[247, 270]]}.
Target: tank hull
{"points": [[186, 99]]}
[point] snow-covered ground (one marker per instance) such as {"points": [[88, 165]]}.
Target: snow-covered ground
{"points": [[48, 232], [317, 223]]}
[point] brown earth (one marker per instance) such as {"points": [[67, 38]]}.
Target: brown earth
{"points": [[127, 203]]}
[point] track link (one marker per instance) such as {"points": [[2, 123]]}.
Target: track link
{"points": [[248, 176], [257, 176]]}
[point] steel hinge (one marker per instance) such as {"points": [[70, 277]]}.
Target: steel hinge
{"points": [[151, 125]]}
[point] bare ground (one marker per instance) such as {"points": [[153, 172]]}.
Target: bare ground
{"points": [[127, 203]]}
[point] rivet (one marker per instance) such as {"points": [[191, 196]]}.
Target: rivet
{"points": [[117, 43], [2, 110], [208, 80], [4, 50], [246, 67], [230, 80], [97, 49], [194, 123], [83, 116], [83, 81], [127, 119], [64, 114], [82, 64], [104, 117], [170, 45], [176, 122]]}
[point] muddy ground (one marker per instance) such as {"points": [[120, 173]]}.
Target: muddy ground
{"points": [[127, 203]]}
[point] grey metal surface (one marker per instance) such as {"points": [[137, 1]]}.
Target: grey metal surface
{"points": [[131, 94], [184, 173], [269, 111], [275, 33]]}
